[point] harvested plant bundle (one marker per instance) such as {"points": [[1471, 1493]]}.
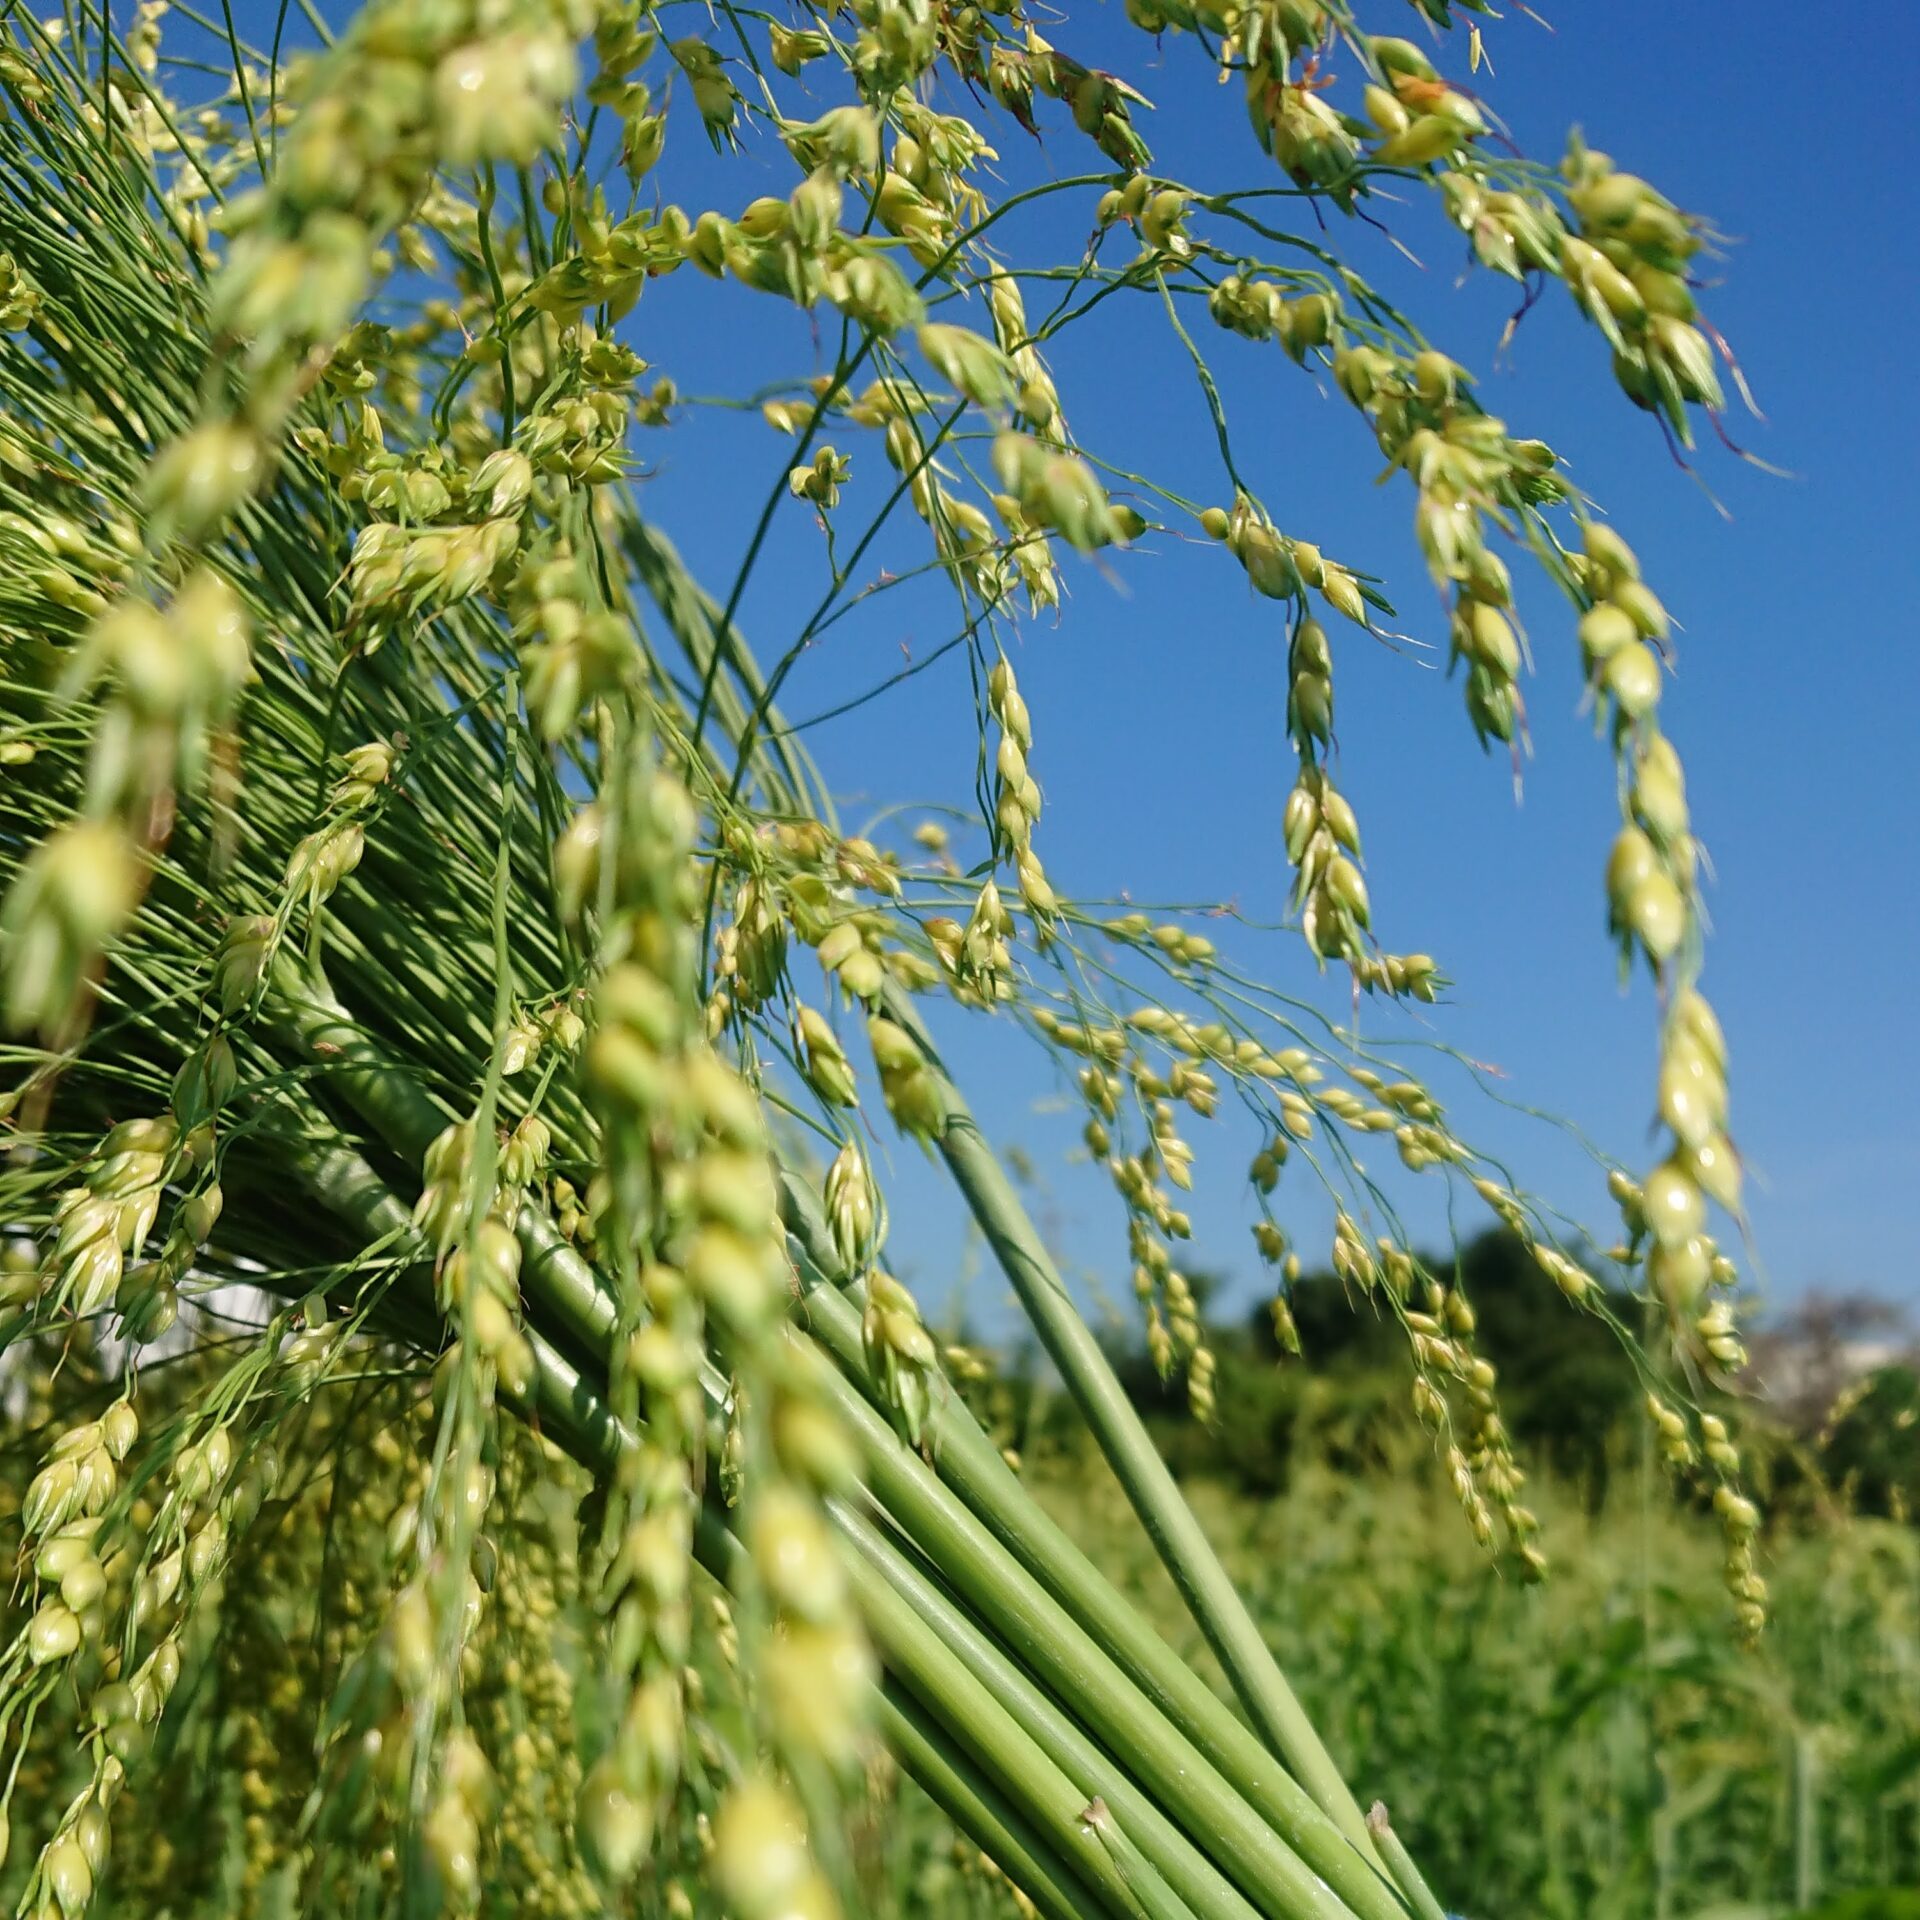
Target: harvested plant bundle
{"points": [[408, 876]]}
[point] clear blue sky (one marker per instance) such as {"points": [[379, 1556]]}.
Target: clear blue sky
{"points": [[1158, 702], [1158, 699]]}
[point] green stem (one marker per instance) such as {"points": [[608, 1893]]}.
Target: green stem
{"points": [[971, 1465], [1393, 1850], [1281, 1865], [569, 1411], [407, 1120], [351, 1061], [970, 1799], [940, 1680], [1177, 1536], [1097, 1775], [346, 1185], [554, 1273]]}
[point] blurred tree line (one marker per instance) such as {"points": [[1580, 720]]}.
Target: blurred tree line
{"points": [[1834, 1433]]}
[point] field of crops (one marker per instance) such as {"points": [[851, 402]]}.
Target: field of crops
{"points": [[1597, 1746]]}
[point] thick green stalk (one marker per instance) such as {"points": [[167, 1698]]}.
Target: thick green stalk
{"points": [[971, 1800], [345, 1185], [1393, 1850], [1097, 1774], [1177, 1536], [574, 1415], [348, 1186], [968, 1461], [388, 1096], [940, 1680], [404, 1116], [552, 1272], [562, 1398], [1281, 1867]]}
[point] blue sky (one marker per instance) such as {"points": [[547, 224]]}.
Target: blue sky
{"points": [[1158, 699]]}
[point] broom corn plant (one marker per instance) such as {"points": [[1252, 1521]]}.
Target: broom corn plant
{"points": [[425, 1112]]}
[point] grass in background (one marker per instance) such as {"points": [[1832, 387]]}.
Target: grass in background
{"points": [[1607, 1752], [1605, 1749]]}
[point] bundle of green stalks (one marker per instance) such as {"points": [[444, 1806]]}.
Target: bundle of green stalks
{"points": [[409, 878]]}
